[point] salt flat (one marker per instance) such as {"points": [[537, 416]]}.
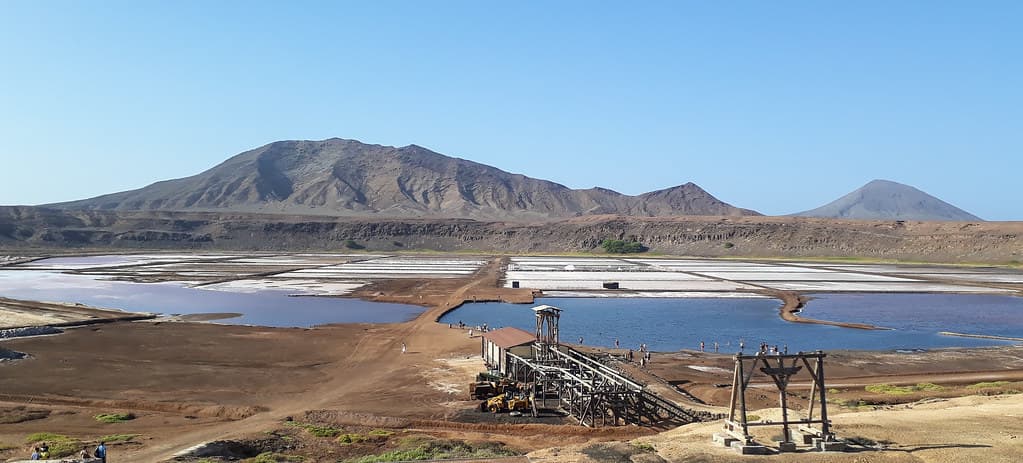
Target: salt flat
{"points": [[684, 275], [308, 286], [878, 287], [604, 276], [801, 276], [652, 294]]}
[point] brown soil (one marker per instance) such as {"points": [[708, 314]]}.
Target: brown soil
{"points": [[194, 382]]}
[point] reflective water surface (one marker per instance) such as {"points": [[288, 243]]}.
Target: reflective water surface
{"points": [[264, 308], [672, 324]]}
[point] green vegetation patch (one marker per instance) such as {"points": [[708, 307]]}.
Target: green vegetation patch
{"points": [[381, 432], [988, 384], [622, 247], [317, 430], [902, 390], [418, 449], [643, 446], [60, 445], [114, 417], [270, 457], [118, 438], [351, 438]]}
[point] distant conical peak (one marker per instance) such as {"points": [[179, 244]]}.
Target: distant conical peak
{"points": [[885, 200]]}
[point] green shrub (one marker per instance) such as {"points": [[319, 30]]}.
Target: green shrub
{"points": [[381, 432], [437, 450], [729, 245], [902, 390], [351, 244], [351, 439], [60, 445], [988, 384], [622, 247], [316, 430], [118, 438], [270, 457], [114, 417], [643, 446]]}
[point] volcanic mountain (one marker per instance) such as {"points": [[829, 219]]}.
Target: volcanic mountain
{"points": [[886, 200], [349, 178]]}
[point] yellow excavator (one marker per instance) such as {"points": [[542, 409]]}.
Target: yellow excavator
{"points": [[506, 403]]}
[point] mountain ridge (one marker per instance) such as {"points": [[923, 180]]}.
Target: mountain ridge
{"points": [[349, 178]]}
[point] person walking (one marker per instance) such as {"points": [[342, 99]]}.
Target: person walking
{"points": [[403, 347], [715, 347], [616, 343], [701, 346], [101, 452]]}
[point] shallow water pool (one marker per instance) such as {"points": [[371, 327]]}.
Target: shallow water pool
{"points": [[672, 324]]}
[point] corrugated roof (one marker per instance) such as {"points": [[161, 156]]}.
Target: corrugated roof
{"points": [[509, 337]]}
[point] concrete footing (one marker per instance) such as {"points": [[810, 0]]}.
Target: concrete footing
{"points": [[724, 440], [786, 446], [754, 449], [829, 446]]}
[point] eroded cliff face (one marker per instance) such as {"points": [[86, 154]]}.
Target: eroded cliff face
{"points": [[992, 242]]}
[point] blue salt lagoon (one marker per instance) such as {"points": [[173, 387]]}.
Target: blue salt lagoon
{"points": [[264, 308], [915, 321]]}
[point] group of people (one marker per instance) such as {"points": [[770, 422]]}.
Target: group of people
{"points": [[42, 452], [644, 357], [472, 330], [773, 350]]}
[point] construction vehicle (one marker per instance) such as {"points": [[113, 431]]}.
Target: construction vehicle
{"points": [[481, 390], [507, 402]]}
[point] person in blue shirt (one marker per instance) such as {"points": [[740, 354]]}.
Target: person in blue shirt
{"points": [[35, 454], [101, 452]]}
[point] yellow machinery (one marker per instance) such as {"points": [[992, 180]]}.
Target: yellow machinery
{"points": [[506, 403]]}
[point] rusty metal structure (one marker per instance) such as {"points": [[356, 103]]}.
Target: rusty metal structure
{"points": [[594, 393], [780, 368]]}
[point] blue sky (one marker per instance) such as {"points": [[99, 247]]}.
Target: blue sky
{"points": [[776, 106]]}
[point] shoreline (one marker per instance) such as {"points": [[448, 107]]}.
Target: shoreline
{"points": [[793, 302]]}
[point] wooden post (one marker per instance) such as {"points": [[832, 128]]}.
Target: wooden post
{"points": [[825, 425], [742, 398]]}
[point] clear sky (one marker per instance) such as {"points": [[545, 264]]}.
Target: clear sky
{"points": [[778, 106]]}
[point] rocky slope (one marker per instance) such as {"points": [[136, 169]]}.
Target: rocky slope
{"points": [[887, 200], [993, 242], [347, 178]]}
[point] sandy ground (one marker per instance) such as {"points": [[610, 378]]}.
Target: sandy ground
{"points": [[967, 429], [194, 382], [18, 314]]}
